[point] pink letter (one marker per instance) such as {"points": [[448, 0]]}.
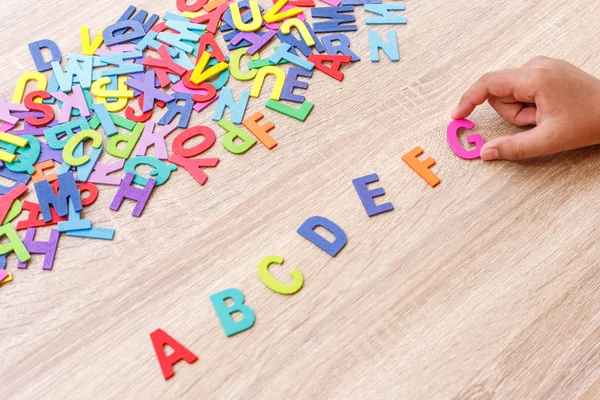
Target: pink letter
{"points": [[452, 134]]}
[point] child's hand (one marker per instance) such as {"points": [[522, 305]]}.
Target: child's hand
{"points": [[562, 100]]}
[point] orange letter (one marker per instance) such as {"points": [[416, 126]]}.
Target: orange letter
{"points": [[421, 168], [260, 131]]}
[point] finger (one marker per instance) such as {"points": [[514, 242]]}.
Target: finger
{"points": [[500, 84], [515, 112], [537, 60], [527, 116], [507, 107], [536, 142]]}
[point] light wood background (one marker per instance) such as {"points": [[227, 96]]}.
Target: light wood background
{"points": [[486, 287]]}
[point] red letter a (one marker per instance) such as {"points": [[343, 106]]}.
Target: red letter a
{"points": [[334, 69], [159, 339]]}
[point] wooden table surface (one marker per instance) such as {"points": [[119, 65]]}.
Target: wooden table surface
{"points": [[485, 287]]}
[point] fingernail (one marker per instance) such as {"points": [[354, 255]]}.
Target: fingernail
{"points": [[490, 154]]}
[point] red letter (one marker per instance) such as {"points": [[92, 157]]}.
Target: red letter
{"points": [[45, 108], [209, 40], [213, 18], [181, 154], [183, 6], [334, 69], [159, 339]]}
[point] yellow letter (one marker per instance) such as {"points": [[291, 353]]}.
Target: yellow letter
{"points": [[19, 92], [234, 65], [122, 93], [88, 48], [272, 283], [237, 18], [306, 36], [260, 79], [14, 140], [274, 14], [199, 75], [74, 142]]}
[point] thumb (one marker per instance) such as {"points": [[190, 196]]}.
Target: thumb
{"points": [[539, 141]]}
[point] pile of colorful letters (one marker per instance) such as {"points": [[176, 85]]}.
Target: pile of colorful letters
{"points": [[175, 64]]}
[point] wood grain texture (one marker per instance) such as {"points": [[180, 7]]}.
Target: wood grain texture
{"points": [[485, 287]]}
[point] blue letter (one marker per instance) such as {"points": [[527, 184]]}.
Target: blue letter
{"points": [[36, 53], [67, 189], [115, 33], [237, 109], [390, 48], [331, 248], [366, 196], [13, 176], [224, 313]]}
